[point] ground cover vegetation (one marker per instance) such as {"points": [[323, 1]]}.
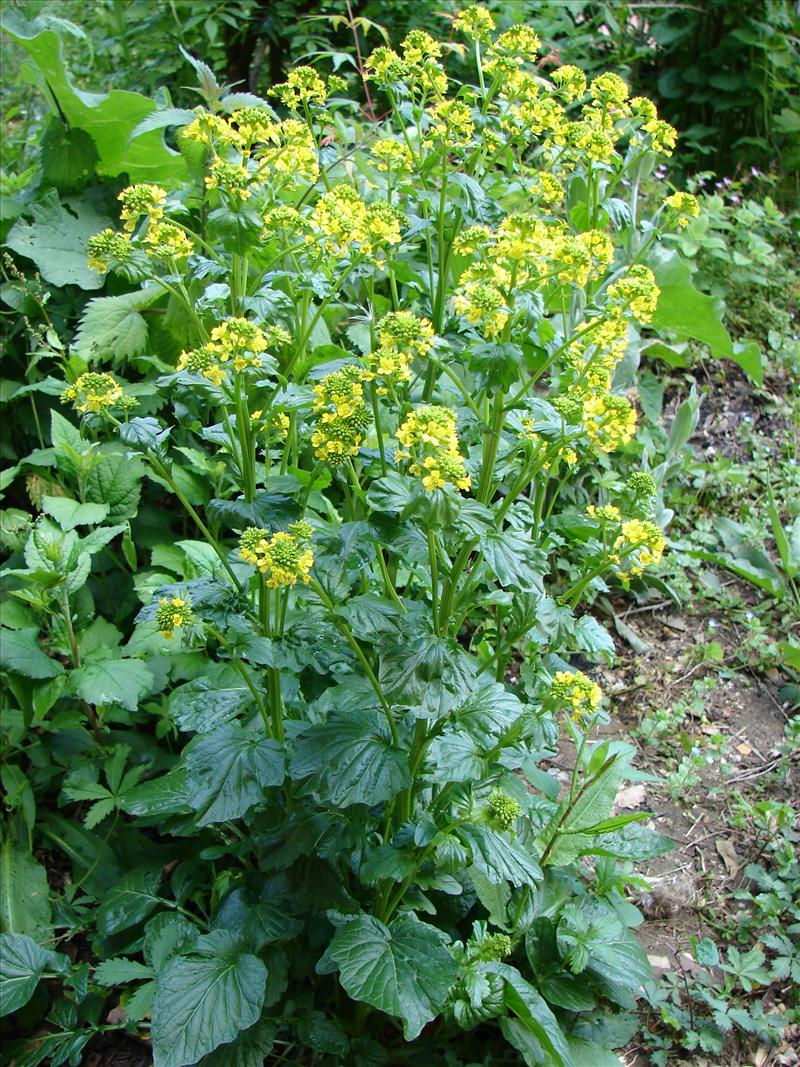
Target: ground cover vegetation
{"points": [[390, 380]]}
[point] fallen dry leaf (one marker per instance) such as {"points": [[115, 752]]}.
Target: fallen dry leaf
{"points": [[728, 854], [743, 749], [632, 796], [117, 1015]]}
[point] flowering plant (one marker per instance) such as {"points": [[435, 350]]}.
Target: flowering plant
{"points": [[383, 399]]}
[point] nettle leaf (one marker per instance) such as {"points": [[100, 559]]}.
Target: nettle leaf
{"points": [[56, 240], [403, 969], [591, 936], [131, 900], [498, 858], [351, 760], [112, 681], [20, 653], [205, 999], [24, 894], [119, 971], [228, 770], [22, 964], [116, 480], [70, 513], [113, 326]]}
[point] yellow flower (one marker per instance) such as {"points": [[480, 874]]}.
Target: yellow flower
{"points": [[482, 304], [610, 421], [138, 200], [392, 155], [239, 340], [165, 240], [208, 129], [452, 122], [570, 82], [203, 361], [343, 415], [108, 247], [282, 558], [172, 614], [232, 178], [475, 22], [609, 88], [641, 543], [637, 289], [685, 207], [604, 513], [578, 691], [93, 392], [302, 86], [429, 436]]}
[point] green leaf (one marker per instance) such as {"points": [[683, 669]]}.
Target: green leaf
{"points": [[591, 936], [404, 970], [56, 240], [351, 760], [114, 326], [70, 513], [498, 858], [22, 964], [250, 1049], [635, 842], [204, 999], [118, 971], [112, 681], [131, 900], [109, 118], [20, 653], [589, 1054], [258, 916], [200, 705], [93, 861], [228, 770], [24, 894], [591, 637], [116, 481], [535, 1018]]}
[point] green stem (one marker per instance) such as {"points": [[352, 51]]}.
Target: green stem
{"points": [[434, 565], [359, 653]]}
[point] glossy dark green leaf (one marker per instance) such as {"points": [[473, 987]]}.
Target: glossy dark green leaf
{"points": [[22, 965], [131, 900], [351, 760], [205, 999], [228, 771], [498, 857], [200, 706], [404, 970]]}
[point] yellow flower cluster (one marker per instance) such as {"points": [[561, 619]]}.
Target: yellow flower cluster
{"points": [[402, 337], [416, 71], [304, 86], [138, 200], [528, 433], [640, 544], [283, 558], [341, 218], [343, 415], [578, 691], [662, 136], [451, 123], [429, 437], [108, 247], [392, 156], [637, 289], [475, 22], [604, 513], [685, 207], [172, 614], [570, 82], [609, 420], [482, 304], [236, 340], [231, 178], [165, 240], [285, 148], [93, 392]]}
